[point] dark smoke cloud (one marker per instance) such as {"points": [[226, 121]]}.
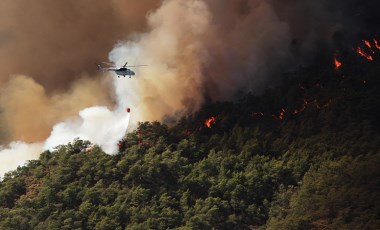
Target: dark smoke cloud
{"points": [[195, 49], [47, 53], [56, 41], [198, 49]]}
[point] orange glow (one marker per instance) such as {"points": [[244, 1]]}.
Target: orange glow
{"points": [[337, 63], [210, 121], [367, 44], [362, 53], [304, 104], [282, 112], [376, 44]]}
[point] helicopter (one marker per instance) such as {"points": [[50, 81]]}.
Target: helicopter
{"points": [[120, 71]]}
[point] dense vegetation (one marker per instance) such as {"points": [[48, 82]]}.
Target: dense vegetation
{"points": [[301, 156]]}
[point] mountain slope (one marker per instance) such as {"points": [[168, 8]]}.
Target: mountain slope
{"points": [[301, 156]]}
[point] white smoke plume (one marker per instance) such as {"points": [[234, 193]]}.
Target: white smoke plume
{"points": [[190, 56], [196, 49], [16, 154], [173, 52], [96, 124]]}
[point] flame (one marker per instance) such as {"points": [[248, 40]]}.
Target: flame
{"points": [[304, 104], [282, 112], [367, 43], [337, 63], [210, 121], [360, 51], [376, 44]]}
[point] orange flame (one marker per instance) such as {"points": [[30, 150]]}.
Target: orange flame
{"points": [[304, 104], [376, 44], [367, 43], [282, 112], [362, 53], [210, 121], [337, 63]]}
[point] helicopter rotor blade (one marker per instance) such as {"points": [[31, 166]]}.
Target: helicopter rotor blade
{"points": [[134, 65], [108, 63]]}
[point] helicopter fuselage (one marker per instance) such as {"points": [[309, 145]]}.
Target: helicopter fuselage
{"points": [[120, 71], [124, 71]]}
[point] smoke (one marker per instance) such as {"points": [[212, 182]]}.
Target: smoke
{"points": [[28, 112], [16, 154], [194, 53], [96, 124], [173, 52], [196, 50], [55, 42], [47, 55], [210, 49]]}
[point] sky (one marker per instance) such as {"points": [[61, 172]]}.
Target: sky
{"points": [[196, 50]]}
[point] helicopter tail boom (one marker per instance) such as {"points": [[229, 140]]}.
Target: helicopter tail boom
{"points": [[100, 67]]}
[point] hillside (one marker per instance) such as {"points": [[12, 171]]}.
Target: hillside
{"points": [[303, 155]]}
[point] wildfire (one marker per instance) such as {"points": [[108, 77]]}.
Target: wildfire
{"points": [[327, 104], [368, 52], [210, 121], [360, 51], [376, 44], [304, 104], [367, 43], [281, 115], [337, 63]]}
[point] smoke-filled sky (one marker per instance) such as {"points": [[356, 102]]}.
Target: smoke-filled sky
{"points": [[194, 49]]}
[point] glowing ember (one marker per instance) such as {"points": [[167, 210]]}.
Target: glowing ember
{"points": [[282, 112], [210, 121], [337, 63], [367, 44], [360, 51], [376, 44], [304, 104]]}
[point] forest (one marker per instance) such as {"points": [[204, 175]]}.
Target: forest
{"points": [[303, 155]]}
